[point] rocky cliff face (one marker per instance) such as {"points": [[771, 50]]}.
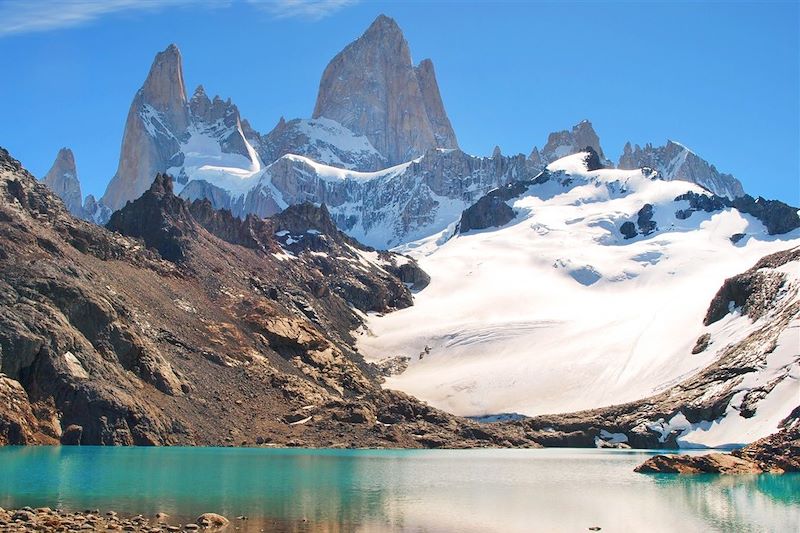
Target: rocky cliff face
{"points": [[372, 88], [186, 325], [674, 161], [157, 117], [62, 178], [165, 131]]}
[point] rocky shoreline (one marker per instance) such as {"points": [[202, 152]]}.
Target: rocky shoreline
{"points": [[45, 519], [777, 454]]}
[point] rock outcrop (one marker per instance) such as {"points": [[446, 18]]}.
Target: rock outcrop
{"points": [[567, 142], [776, 454], [674, 161], [62, 178], [778, 218], [713, 463], [373, 89]]}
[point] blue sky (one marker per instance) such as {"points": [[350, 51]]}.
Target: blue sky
{"points": [[722, 78]]}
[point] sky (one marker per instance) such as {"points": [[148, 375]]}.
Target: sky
{"points": [[720, 77]]}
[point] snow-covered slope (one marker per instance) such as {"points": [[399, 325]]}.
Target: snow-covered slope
{"points": [[382, 208], [750, 389], [323, 140], [557, 310]]}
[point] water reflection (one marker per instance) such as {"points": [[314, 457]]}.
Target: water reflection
{"points": [[341, 490]]}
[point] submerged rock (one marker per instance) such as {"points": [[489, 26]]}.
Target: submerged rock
{"points": [[212, 520]]}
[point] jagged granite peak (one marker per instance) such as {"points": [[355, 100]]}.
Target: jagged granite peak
{"points": [[164, 88], [432, 98], [165, 132], [158, 116], [535, 158], [674, 161], [62, 178], [373, 89], [567, 142]]}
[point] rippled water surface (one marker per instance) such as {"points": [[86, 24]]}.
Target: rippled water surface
{"points": [[397, 490]]}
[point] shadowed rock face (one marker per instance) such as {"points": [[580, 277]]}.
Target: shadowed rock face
{"points": [[62, 178], [158, 217], [201, 329], [753, 291], [372, 88]]}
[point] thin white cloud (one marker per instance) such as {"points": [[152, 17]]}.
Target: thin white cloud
{"points": [[307, 9], [27, 16]]}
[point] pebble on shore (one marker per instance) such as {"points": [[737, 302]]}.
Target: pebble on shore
{"points": [[47, 520]]}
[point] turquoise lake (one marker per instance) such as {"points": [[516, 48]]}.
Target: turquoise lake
{"points": [[397, 490]]}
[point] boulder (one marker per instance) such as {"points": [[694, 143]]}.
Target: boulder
{"points": [[212, 520], [72, 435]]}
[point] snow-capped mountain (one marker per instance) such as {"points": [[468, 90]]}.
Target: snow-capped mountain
{"points": [[749, 389], [383, 208], [567, 142], [676, 162], [591, 292], [380, 151], [194, 139], [321, 139]]}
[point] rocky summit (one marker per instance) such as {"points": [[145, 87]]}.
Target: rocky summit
{"points": [[567, 142], [674, 161], [372, 88], [62, 178]]}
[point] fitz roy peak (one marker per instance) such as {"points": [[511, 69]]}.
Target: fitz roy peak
{"points": [[379, 150], [372, 88]]}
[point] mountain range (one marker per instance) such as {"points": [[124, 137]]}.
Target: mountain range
{"points": [[653, 300], [379, 150]]}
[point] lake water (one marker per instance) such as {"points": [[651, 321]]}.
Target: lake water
{"points": [[397, 490]]}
